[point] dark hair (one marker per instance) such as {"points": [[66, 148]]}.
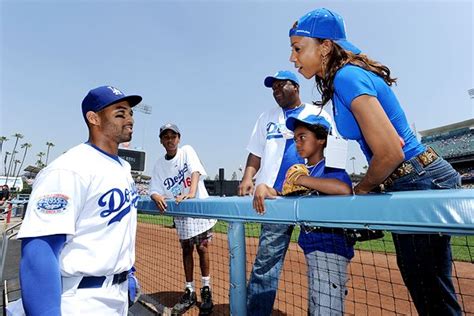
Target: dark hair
{"points": [[338, 58], [162, 133], [318, 130]]}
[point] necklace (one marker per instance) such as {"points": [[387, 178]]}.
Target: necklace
{"points": [[317, 169]]}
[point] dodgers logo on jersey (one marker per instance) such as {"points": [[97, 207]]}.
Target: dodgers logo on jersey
{"points": [[276, 130], [52, 203], [273, 131], [176, 180], [118, 201]]}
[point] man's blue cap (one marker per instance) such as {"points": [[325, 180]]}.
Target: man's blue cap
{"points": [[310, 119], [101, 97], [281, 75], [325, 24]]}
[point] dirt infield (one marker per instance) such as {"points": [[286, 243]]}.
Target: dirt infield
{"points": [[375, 285]]}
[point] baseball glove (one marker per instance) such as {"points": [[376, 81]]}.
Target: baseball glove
{"points": [[293, 173]]}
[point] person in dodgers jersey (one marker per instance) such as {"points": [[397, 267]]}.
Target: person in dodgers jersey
{"points": [[271, 152], [78, 235], [179, 175]]}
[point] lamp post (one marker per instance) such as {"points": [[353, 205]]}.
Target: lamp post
{"points": [[145, 109]]}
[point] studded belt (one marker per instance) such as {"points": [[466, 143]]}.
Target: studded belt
{"points": [[406, 168]]}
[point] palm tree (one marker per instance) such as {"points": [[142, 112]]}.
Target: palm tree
{"points": [[15, 164], [2, 140], [39, 162], [18, 136], [13, 155], [7, 153], [25, 146], [49, 144], [353, 164]]}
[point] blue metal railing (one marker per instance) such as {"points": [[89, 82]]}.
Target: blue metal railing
{"points": [[437, 211]]}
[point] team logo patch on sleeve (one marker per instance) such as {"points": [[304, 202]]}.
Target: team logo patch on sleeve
{"points": [[52, 204]]}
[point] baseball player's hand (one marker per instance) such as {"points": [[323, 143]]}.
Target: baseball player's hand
{"points": [[160, 202], [263, 192], [182, 197], [246, 187]]}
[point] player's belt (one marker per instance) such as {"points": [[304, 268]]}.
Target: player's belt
{"points": [[406, 168], [88, 282]]}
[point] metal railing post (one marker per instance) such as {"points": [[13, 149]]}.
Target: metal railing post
{"points": [[4, 252], [5, 238], [238, 286]]}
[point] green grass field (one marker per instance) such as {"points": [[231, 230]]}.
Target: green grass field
{"points": [[462, 246]]}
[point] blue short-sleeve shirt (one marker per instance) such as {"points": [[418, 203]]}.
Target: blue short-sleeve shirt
{"points": [[352, 81], [328, 242]]}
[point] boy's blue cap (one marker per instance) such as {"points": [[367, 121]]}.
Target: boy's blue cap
{"points": [[325, 24], [101, 97], [310, 119], [280, 75]]}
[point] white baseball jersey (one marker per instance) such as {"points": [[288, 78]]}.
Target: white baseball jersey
{"points": [[91, 197], [173, 177], [268, 139]]}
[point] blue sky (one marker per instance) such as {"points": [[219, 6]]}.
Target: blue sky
{"points": [[201, 65]]}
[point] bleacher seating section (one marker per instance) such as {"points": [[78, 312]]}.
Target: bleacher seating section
{"points": [[452, 144]]}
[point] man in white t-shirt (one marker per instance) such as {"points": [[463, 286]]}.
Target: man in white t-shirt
{"points": [[179, 175], [78, 235], [271, 152]]}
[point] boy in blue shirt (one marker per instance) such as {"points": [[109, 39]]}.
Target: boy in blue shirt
{"points": [[327, 250]]}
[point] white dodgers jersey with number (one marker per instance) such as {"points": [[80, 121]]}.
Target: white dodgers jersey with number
{"points": [[91, 197], [173, 177]]}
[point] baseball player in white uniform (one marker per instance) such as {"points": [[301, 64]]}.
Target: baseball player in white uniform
{"points": [[78, 235], [179, 175], [271, 152]]}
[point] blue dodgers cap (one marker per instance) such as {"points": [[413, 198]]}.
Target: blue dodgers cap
{"points": [[171, 127], [101, 97], [281, 75], [325, 24], [310, 119]]}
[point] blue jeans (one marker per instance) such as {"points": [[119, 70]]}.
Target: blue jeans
{"points": [[327, 278], [425, 260], [263, 283]]}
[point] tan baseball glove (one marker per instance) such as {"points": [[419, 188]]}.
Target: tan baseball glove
{"points": [[293, 173]]}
